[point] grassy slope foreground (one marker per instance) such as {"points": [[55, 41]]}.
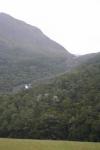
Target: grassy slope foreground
{"points": [[9, 144]]}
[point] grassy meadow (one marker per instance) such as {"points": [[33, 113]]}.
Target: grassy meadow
{"points": [[18, 144]]}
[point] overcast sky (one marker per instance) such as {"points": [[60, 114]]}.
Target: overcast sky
{"points": [[75, 24]]}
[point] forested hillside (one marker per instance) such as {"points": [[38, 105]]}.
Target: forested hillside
{"points": [[67, 107], [27, 55]]}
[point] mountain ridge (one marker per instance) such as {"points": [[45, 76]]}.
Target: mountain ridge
{"points": [[26, 54], [10, 23]]}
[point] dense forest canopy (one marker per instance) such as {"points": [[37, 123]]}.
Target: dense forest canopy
{"points": [[67, 107]]}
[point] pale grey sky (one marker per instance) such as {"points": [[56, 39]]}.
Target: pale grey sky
{"points": [[75, 24]]}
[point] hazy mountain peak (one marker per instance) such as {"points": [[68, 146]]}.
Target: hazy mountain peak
{"points": [[27, 53], [23, 34]]}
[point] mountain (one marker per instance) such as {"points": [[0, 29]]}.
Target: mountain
{"points": [[68, 107], [26, 54], [64, 99]]}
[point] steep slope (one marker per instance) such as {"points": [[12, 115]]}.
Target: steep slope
{"points": [[26, 54], [17, 34], [66, 108]]}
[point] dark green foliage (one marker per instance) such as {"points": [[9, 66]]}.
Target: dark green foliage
{"points": [[66, 108]]}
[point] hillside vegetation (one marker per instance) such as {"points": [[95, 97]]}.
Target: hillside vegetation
{"points": [[26, 54], [67, 107]]}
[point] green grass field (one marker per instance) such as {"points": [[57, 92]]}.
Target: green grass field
{"points": [[13, 144]]}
